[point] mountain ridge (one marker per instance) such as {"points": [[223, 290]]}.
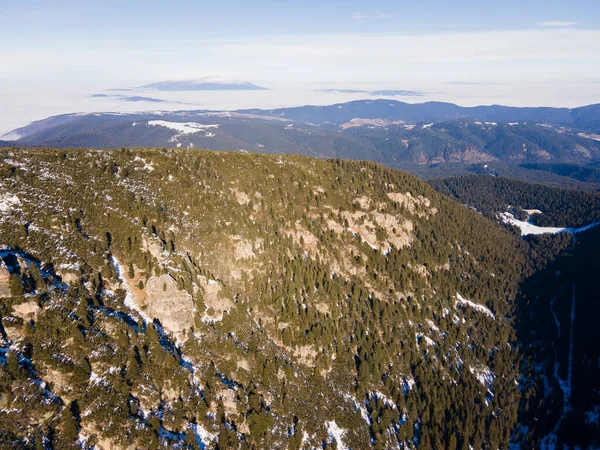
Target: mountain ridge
{"points": [[394, 143]]}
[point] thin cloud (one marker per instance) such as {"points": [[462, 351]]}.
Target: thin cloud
{"points": [[557, 24], [371, 15]]}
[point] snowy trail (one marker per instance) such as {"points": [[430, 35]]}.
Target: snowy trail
{"points": [[556, 321], [550, 441], [569, 389]]}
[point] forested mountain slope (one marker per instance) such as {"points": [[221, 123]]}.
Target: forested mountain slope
{"points": [[542, 205], [191, 299]]}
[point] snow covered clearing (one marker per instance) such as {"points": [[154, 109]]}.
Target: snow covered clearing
{"points": [[463, 301], [529, 228], [182, 127]]}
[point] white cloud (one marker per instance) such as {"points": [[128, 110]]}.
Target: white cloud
{"points": [[557, 24], [544, 66], [484, 56], [371, 15]]}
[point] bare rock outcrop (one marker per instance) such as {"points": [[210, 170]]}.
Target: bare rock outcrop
{"points": [[4, 280], [216, 301], [173, 307], [27, 310], [419, 205]]}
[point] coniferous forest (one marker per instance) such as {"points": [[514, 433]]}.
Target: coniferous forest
{"points": [[172, 298]]}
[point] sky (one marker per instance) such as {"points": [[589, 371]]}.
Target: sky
{"points": [[56, 54]]}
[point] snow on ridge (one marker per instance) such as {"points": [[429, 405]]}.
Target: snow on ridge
{"points": [[129, 300], [336, 433], [182, 127], [529, 228], [484, 309]]}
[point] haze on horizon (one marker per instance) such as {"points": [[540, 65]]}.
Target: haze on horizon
{"points": [[58, 54]]}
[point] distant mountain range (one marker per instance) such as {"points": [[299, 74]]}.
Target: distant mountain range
{"points": [[204, 84], [396, 134], [585, 119]]}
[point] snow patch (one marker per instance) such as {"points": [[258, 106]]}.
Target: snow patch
{"points": [[483, 374], [460, 299], [147, 166], [9, 202], [528, 228], [592, 417], [336, 433], [203, 437]]}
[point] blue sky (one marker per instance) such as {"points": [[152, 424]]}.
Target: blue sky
{"points": [[85, 19], [526, 52], [29, 20]]}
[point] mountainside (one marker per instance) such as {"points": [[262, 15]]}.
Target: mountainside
{"points": [[190, 299], [393, 143], [554, 207]]}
